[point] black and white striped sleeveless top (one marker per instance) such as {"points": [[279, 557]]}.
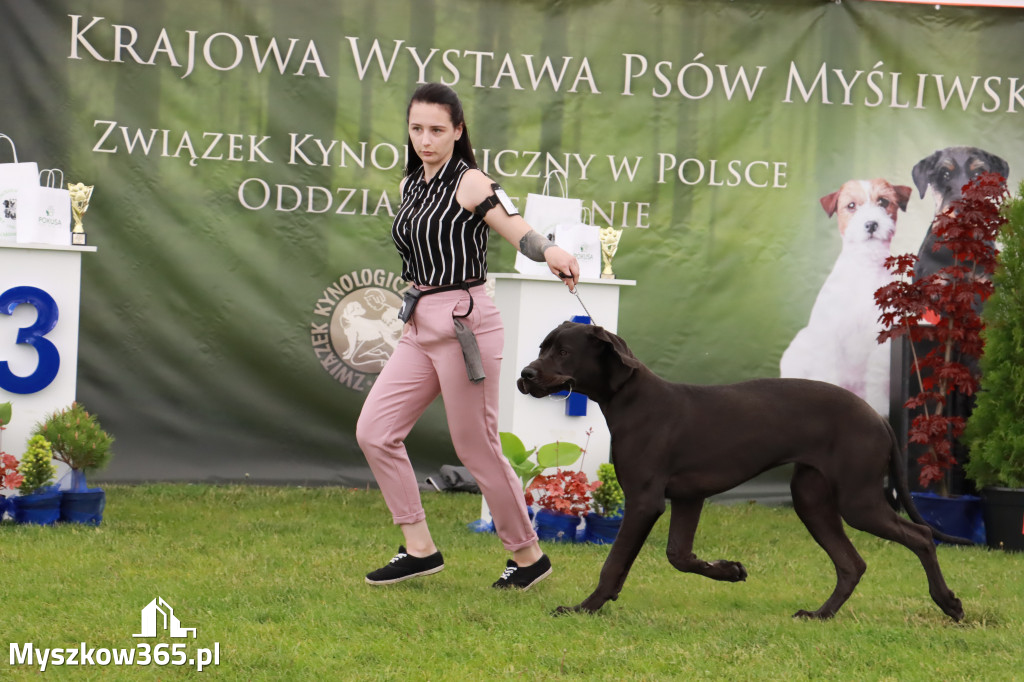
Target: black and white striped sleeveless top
{"points": [[439, 241]]}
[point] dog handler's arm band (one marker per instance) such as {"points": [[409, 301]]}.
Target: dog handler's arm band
{"points": [[533, 246], [498, 196]]}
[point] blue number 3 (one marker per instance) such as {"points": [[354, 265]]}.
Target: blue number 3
{"points": [[35, 336]]}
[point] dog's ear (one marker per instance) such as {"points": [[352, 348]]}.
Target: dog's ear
{"points": [[996, 164], [830, 202], [619, 360], [923, 170], [903, 195]]}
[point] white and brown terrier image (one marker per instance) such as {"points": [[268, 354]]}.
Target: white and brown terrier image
{"points": [[839, 344]]}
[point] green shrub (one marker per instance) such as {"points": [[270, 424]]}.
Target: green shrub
{"points": [[995, 430], [608, 497], [77, 438], [36, 466]]}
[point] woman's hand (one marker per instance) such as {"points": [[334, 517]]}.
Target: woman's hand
{"points": [[563, 264]]}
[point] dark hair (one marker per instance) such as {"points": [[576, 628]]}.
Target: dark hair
{"points": [[438, 93]]}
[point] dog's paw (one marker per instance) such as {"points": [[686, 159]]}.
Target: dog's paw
{"points": [[729, 571], [812, 615], [562, 610], [954, 610]]}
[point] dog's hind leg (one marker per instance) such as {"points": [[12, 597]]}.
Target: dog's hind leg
{"points": [[815, 503], [637, 522], [685, 516], [878, 518]]}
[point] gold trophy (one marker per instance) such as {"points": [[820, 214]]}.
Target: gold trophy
{"points": [[609, 245], [80, 195]]}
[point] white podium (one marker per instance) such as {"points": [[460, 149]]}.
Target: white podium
{"points": [[530, 308], [39, 303]]}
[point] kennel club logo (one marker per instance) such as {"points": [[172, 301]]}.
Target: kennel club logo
{"points": [[356, 325]]}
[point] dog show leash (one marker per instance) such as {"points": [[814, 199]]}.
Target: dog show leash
{"points": [[575, 291]]}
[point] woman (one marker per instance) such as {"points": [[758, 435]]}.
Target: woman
{"points": [[448, 207]]}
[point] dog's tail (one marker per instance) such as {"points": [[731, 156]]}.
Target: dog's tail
{"points": [[898, 482]]}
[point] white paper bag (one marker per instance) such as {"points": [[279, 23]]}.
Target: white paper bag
{"points": [[15, 179], [543, 212], [584, 242], [44, 213]]}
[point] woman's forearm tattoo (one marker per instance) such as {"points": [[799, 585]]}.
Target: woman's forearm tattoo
{"points": [[533, 246]]}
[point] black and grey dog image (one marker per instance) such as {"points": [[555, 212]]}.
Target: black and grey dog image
{"points": [[946, 172], [684, 443]]}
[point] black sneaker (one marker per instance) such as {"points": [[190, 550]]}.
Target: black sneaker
{"points": [[520, 578], [404, 566]]}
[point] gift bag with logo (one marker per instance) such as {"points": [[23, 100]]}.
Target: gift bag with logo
{"points": [[44, 213], [583, 241], [544, 212], [15, 180]]}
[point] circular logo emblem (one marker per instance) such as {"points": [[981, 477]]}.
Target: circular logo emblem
{"points": [[358, 328]]}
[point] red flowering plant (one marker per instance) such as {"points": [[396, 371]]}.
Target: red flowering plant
{"points": [[942, 310], [563, 492], [9, 476]]}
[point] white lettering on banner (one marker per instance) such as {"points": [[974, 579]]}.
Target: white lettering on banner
{"points": [[510, 69], [256, 194], [509, 163], [383, 156], [162, 142], [97, 39], [220, 51], [693, 81], [760, 174], [929, 87]]}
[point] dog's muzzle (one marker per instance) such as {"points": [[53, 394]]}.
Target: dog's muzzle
{"points": [[530, 382]]}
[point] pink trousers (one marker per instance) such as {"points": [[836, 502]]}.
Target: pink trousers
{"points": [[428, 362]]}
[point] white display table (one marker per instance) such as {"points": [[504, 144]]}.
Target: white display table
{"points": [[39, 302], [530, 308]]}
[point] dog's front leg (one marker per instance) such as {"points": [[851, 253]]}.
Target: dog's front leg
{"points": [[637, 523], [685, 516]]}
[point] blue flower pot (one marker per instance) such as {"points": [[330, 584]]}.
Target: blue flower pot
{"points": [[959, 516], [601, 530], [84, 507], [41, 509], [3, 507], [556, 527]]}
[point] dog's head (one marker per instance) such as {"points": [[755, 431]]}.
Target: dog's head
{"points": [[866, 209], [948, 170], [582, 358]]}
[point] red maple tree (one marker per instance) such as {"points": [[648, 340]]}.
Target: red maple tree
{"points": [[942, 309]]}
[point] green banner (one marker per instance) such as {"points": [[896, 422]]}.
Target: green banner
{"points": [[246, 160]]}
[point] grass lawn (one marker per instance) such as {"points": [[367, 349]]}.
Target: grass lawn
{"points": [[273, 577]]}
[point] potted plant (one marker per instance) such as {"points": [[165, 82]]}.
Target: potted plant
{"points": [[563, 498], [940, 312], [609, 500], [79, 441], [557, 454], [10, 479], [995, 430], [527, 464], [38, 503]]}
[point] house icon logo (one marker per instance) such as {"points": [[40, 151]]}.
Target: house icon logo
{"points": [[158, 614]]}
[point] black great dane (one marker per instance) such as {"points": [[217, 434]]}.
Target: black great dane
{"points": [[684, 442]]}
